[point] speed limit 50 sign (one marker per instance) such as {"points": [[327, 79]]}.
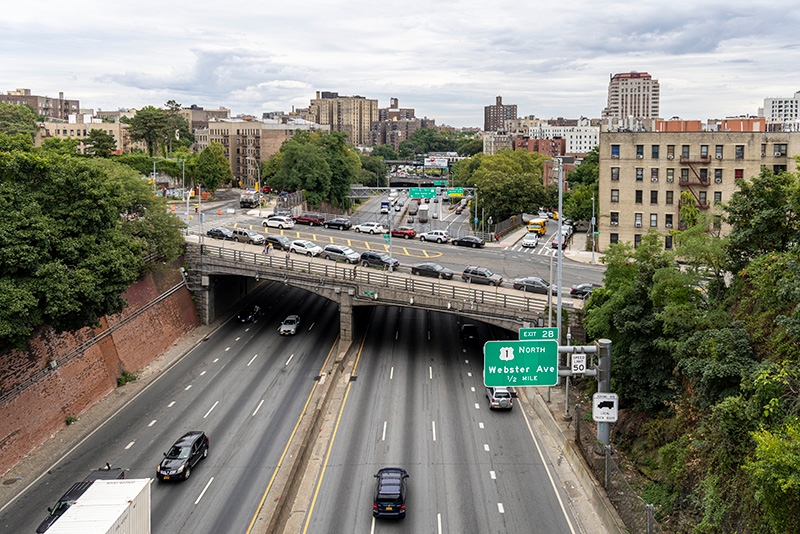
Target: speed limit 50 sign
{"points": [[578, 364]]}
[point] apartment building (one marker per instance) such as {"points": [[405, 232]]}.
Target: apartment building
{"points": [[79, 126], [494, 142], [395, 131], [577, 139], [781, 109], [495, 116], [249, 142], [56, 108], [352, 115], [642, 175], [633, 95]]}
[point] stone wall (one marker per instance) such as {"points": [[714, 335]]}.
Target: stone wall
{"points": [[86, 368]]}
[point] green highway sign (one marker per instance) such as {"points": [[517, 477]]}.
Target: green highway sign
{"points": [[520, 363], [422, 192], [455, 192], [387, 237], [530, 334], [440, 182]]}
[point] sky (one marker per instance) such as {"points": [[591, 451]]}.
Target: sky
{"points": [[445, 59]]}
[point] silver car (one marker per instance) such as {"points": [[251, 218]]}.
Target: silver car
{"points": [[290, 325], [301, 246], [340, 253], [531, 239], [499, 398]]}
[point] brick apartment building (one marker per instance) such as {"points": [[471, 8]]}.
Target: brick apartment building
{"points": [[56, 108]]}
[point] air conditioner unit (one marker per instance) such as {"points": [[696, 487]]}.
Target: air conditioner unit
{"points": [[668, 225], [763, 154], [670, 157], [778, 154], [615, 156], [654, 179], [719, 156], [614, 223], [638, 225], [639, 156]]}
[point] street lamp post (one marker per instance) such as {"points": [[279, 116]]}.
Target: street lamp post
{"points": [[185, 193], [560, 241]]}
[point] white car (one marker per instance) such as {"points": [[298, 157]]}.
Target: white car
{"points": [[531, 239], [370, 228], [440, 236], [279, 222], [301, 246]]}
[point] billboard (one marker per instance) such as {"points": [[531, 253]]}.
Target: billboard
{"points": [[435, 163]]}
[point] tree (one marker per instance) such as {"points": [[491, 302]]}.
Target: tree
{"points": [[469, 146], [304, 166], [213, 168], [588, 172], [385, 152], [376, 171], [67, 146], [16, 119], [344, 164], [149, 125], [178, 131], [578, 204], [100, 143], [22, 142]]}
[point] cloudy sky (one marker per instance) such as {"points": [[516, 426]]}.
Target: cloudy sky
{"points": [[446, 59]]}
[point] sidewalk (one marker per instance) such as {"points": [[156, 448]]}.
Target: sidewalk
{"points": [[571, 252]]}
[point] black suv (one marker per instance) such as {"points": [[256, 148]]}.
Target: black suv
{"points": [[390, 493], [183, 456], [279, 242], [370, 258], [481, 275]]}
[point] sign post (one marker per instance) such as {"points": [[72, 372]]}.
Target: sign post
{"points": [[520, 363]]}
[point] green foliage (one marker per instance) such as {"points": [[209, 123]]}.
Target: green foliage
{"points": [[212, 168], [9, 143], [578, 203], [588, 172], [150, 125], [16, 119], [70, 419], [305, 167], [100, 143], [126, 377], [67, 146], [469, 146], [376, 170], [385, 152], [427, 140]]}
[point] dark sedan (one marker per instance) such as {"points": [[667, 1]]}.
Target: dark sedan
{"points": [[249, 315], [469, 241], [432, 269], [582, 291], [533, 284], [390, 493], [220, 233], [183, 456], [339, 223]]}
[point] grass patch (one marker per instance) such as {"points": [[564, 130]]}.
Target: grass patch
{"points": [[125, 377]]}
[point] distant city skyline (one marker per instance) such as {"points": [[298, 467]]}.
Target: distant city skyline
{"points": [[446, 60]]}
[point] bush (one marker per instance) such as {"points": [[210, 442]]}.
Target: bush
{"points": [[125, 377]]}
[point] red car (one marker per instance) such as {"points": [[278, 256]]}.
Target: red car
{"points": [[406, 232], [310, 219]]}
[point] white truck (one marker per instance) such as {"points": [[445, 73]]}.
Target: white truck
{"points": [[109, 507], [249, 199], [423, 213]]}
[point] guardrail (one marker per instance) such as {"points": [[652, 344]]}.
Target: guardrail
{"points": [[397, 281]]}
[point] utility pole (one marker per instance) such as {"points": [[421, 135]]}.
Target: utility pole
{"points": [[560, 241], [594, 236]]}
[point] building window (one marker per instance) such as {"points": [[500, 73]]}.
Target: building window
{"points": [[670, 195], [615, 151], [739, 152], [703, 151], [668, 242], [637, 238], [654, 152], [780, 150], [654, 220], [717, 176], [738, 174], [637, 220], [615, 174], [639, 151], [718, 151], [702, 197], [653, 197], [684, 176], [653, 175], [717, 196], [670, 175], [613, 238], [638, 196], [684, 151], [668, 220], [670, 151], [615, 195], [639, 174], [704, 176]]}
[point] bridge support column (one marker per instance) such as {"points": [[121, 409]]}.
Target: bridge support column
{"points": [[346, 318]]}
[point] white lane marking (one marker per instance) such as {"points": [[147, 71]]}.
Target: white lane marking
{"points": [[237, 339], [290, 359], [310, 327], [469, 374], [257, 407], [391, 373], [383, 437], [129, 445], [492, 475], [171, 404], [372, 528], [480, 425], [209, 411], [429, 335], [433, 426], [215, 360], [486, 447], [152, 422], [204, 490], [500, 508], [397, 334], [226, 350], [472, 388], [477, 406], [187, 388], [439, 523], [430, 373], [466, 361], [251, 360], [201, 374]]}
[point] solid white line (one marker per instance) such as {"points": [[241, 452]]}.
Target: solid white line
{"points": [[500, 508], [430, 373], [383, 437], [492, 475], [429, 335], [204, 490], [251, 360], [187, 388], [238, 338], [486, 447], [310, 327], [209, 411], [466, 361], [391, 373], [290, 359], [433, 426], [201, 374], [372, 528], [257, 407], [152, 422], [439, 522], [171, 404], [129, 445]]}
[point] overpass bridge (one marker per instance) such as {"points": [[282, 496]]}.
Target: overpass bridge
{"points": [[219, 276]]}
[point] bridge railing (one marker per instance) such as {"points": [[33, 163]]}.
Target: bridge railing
{"points": [[370, 279]]}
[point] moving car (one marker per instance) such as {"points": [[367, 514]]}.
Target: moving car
{"points": [[534, 284], [469, 241], [301, 246], [220, 233], [340, 253], [481, 275], [339, 223], [279, 242], [249, 314], [530, 240], [559, 240], [440, 236], [406, 232], [432, 269], [371, 258], [370, 228], [499, 398], [290, 325], [246, 235], [582, 291], [279, 221], [183, 456], [390, 493], [469, 332]]}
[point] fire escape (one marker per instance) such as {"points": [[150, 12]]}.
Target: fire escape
{"points": [[698, 177]]}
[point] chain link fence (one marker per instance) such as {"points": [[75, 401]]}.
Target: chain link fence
{"points": [[637, 515]]}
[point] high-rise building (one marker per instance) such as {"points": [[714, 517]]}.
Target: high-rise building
{"points": [[352, 115], [782, 109], [55, 108], [395, 112], [494, 117], [632, 95]]}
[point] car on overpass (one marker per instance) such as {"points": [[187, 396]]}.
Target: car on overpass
{"points": [[432, 269], [246, 235], [279, 222], [372, 258], [220, 232], [481, 275], [340, 253], [534, 284], [308, 248], [440, 236], [370, 228], [469, 241]]}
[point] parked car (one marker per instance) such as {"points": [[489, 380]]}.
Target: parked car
{"points": [[220, 233], [249, 314], [390, 493], [499, 398], [432, 269], [406, 232], [370, 228], [340, 253], [310, 219], [469, 241], [582, 291], [181, 458], [339, 223], [481, 275], [301, 246], [371, 258], [534, 284], [279, 242], [531, 239], [440, 236], [290, 325], [279, 222], [246, 235]]}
